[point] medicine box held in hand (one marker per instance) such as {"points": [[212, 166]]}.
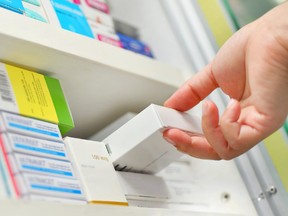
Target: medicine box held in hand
{"points": [[139, 146]]}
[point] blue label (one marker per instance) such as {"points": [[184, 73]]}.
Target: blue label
{"points": [[14, 5], [36, 149], [35, 130], [71, 17], [50, 188], [47, 170]]}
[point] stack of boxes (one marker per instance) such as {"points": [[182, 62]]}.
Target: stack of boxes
{"points": [[34, 161]]}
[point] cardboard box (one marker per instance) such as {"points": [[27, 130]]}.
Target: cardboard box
{"points": [[95, 15], [34, 146], [139, 146], [48, 185], [109, 129], [22, 163], [100, 5], [34, 95], [13, 5], [139, 186], [28, 126], [71, 17], [34, 12], [95, 171]]}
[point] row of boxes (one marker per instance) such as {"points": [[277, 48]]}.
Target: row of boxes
{"points": [[87, 17]]}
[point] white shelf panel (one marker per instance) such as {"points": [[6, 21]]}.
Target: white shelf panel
{"points": [[101, 81], [36, 208]]}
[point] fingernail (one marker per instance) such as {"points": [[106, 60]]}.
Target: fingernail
{"points": [[169, 141], [231, 103]]}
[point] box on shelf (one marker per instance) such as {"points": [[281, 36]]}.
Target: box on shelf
{"points": [[139, 186], [13, 5], [100, 5], [22, 163], [71, 17], [33, 2], [105, 34], [34, 146], [34, 12], [49, 186], [95, 15], [92, 164], [135, 45], [35, 95], [139, 146], [28, 126], [109, 129], [126, 29]]}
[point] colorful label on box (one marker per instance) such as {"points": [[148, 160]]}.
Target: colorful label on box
{"points": [[135, 45], [71, 17], [59, 187], [31, 93], [28, 126], [34, 12], [28, 163], [13, 5], [98, 5], [109, 40], [34, 2], [35, 95], [34, 146]]}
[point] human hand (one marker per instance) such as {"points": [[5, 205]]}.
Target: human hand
{"points": [[252, 69]]}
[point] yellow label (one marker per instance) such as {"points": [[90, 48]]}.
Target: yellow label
{"points": [[277, 148], [32, 94], [217, 20]]}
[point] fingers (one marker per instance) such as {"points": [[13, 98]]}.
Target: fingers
{"points": [[195, 146], [193, 91], [226, 140]]}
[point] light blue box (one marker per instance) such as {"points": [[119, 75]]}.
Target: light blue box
{"points": [[13, 5], [71, 17]]}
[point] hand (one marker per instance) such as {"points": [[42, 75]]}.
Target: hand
{"points": [[251, 68]]}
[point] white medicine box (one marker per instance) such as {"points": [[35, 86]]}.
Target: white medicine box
{"points": [[139, 146]]}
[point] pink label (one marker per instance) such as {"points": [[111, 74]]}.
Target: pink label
{"points": [[109, 40], [98, 5]]}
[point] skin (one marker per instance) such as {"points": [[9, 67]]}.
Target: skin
{"points": [[252, 69]]}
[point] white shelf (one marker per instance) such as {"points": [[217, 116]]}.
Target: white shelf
{"points": [[101, 82], [36, 208]]}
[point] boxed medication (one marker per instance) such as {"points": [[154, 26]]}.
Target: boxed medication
{"points": [[34, 146], [28, 126], [139, 146], [139, 186], [71, 17], [109, 129], [13, 5], [35, 95], [34, 12], [95, 15], [49, 186], [100, 5], [94, 168], [22, 163]]}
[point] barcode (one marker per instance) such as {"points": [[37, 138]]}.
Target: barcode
{"points": [[5, 91]]}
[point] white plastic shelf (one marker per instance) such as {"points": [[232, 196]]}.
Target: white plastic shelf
{"points": [[34, 208], [101, 82]]}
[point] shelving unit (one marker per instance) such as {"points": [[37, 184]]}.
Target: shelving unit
{"points": [[16, 208], [101, 81]]}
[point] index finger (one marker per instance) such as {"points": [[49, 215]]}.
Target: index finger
{"points": [[193, 91]]}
